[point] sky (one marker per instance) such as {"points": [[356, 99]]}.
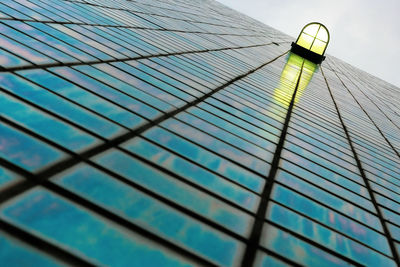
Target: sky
{"points": [[364, 33]]}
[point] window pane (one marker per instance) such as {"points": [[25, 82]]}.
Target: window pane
{"points": [[45, 125], [151, 214], [312, 29], [297, 250], [305, 40], [14, 253], [206, 158], [7, 177], [64, 224], [326, 237], [193, 172], [174, 190], [25, 151], [318, 47]]}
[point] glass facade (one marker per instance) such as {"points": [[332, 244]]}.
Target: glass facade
{"points": [[183, 133]]}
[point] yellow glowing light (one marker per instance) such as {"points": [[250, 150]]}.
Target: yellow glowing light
{"points": [[296, 71], [318, 47], [314, 37], [312, 29], [323, 35], [305, 40]]}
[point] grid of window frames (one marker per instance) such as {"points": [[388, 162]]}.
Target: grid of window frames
{"points": [[183, 133]]}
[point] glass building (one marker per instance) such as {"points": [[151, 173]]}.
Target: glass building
{"points": [[183, 133]]}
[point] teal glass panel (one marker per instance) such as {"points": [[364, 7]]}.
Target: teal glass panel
{"points": [[163, 61], [299, 128], [128, 85], [240, 121], [252, 119], [26, 11], [268, 112], [331, 187], [138, 69], [392, 193], [128, 119], [14, 253], [264, 260], [297, 250], [52, 102], [64, 16], [328, 217], [8, 60], [7, 177], [182, 77], [171, 63], [325, 172], [317, 149], [182, 94], [198, 69], [121, 46], [24, 151], [259, 98], [82, 97], [123, 40], [176, 191], [45, 125], [151, 214], [104, 52], [222, 134], [41, 10], [37, 45], [192, 172], [49, 40], [329, 200], [394, 231], [234, 129], [217, 146], [12, 12], [64, 224], [105, 91], [263, 114], [321, 143], [24, 52], [108, 46], [144, 43], [326, 237], [146, 84], [142, 47], [328, 164], [206, 158], [70, 40], [387, 202], [390, 216]]}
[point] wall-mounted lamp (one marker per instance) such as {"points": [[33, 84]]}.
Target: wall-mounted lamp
{"points": [[312, 42]]}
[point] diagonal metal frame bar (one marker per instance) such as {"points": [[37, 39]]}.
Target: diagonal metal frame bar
{"points": [[255, 236]]}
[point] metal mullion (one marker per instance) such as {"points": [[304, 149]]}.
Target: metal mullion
{"points": [[324, 225], [366, 181], [202, 146], [220, 127], [254, 239], [326, 179]]}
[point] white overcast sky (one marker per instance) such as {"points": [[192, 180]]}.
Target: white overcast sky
{"points": [[364, 33]]}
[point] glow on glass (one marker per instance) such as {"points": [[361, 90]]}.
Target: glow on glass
{"points": [[297, 70], [314, 37]]}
